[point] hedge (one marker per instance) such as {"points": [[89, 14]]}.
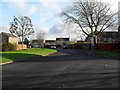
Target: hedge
{"points": [[9, 47]]}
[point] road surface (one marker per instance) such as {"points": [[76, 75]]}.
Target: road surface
{"points": [[66, 69]]}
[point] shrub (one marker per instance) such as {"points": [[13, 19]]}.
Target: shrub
{"points": [[0, 47], [9, 47], [80, 46]]}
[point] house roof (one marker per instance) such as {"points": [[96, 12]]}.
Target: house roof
{"points": [[115, 31], [49, 41], [107, 33], [113, 34], [66, 39], [38, 41], [8, 34]]}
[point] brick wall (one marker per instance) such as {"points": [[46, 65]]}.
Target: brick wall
{"points": [[21, 46]]}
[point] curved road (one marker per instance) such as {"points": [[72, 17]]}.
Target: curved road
{"points": [[66, 69]]}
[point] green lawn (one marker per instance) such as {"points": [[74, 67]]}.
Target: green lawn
{"points": [[109, 53], [23, 54]]}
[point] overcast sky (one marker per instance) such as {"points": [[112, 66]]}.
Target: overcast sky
{"points": [[43, 13]]}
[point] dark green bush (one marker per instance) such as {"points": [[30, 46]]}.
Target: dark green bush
{"points": [[0, 47], [80, 46], [9, 47]]}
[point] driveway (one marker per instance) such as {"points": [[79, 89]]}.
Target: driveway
{"points": [[66, 69]]}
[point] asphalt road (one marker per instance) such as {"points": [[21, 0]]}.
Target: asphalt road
{"points": [[65, 69]]}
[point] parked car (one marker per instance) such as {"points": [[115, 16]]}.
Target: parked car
{"points": [[53, 47], [65, 47]]}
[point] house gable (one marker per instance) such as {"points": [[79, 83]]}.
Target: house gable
{"points": [[8, 38]]}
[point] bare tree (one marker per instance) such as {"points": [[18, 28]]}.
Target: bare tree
{"points": [[22, 27], [119, 13], [91, 17], [40, 35]]}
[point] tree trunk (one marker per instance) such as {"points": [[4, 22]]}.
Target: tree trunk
{"points": [[22, 38], [95, 42]]}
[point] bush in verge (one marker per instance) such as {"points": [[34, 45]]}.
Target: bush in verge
{"points": [[9, 47], [80, 46]]}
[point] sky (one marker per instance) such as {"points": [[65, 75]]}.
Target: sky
{"points": [[43, 13]]}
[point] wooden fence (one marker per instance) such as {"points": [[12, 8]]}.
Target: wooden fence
{"points": [[107, 46]]}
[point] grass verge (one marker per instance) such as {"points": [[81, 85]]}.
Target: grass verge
{"points": [[109, 53], [8, 56]]}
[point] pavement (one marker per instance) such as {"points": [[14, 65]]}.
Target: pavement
{"points": [[68, 68]]}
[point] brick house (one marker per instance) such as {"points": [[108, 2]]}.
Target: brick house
{"points": [[106, 37], [62, 41], [50, 42], [59, 42], [37, 43], [8, 38]]}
